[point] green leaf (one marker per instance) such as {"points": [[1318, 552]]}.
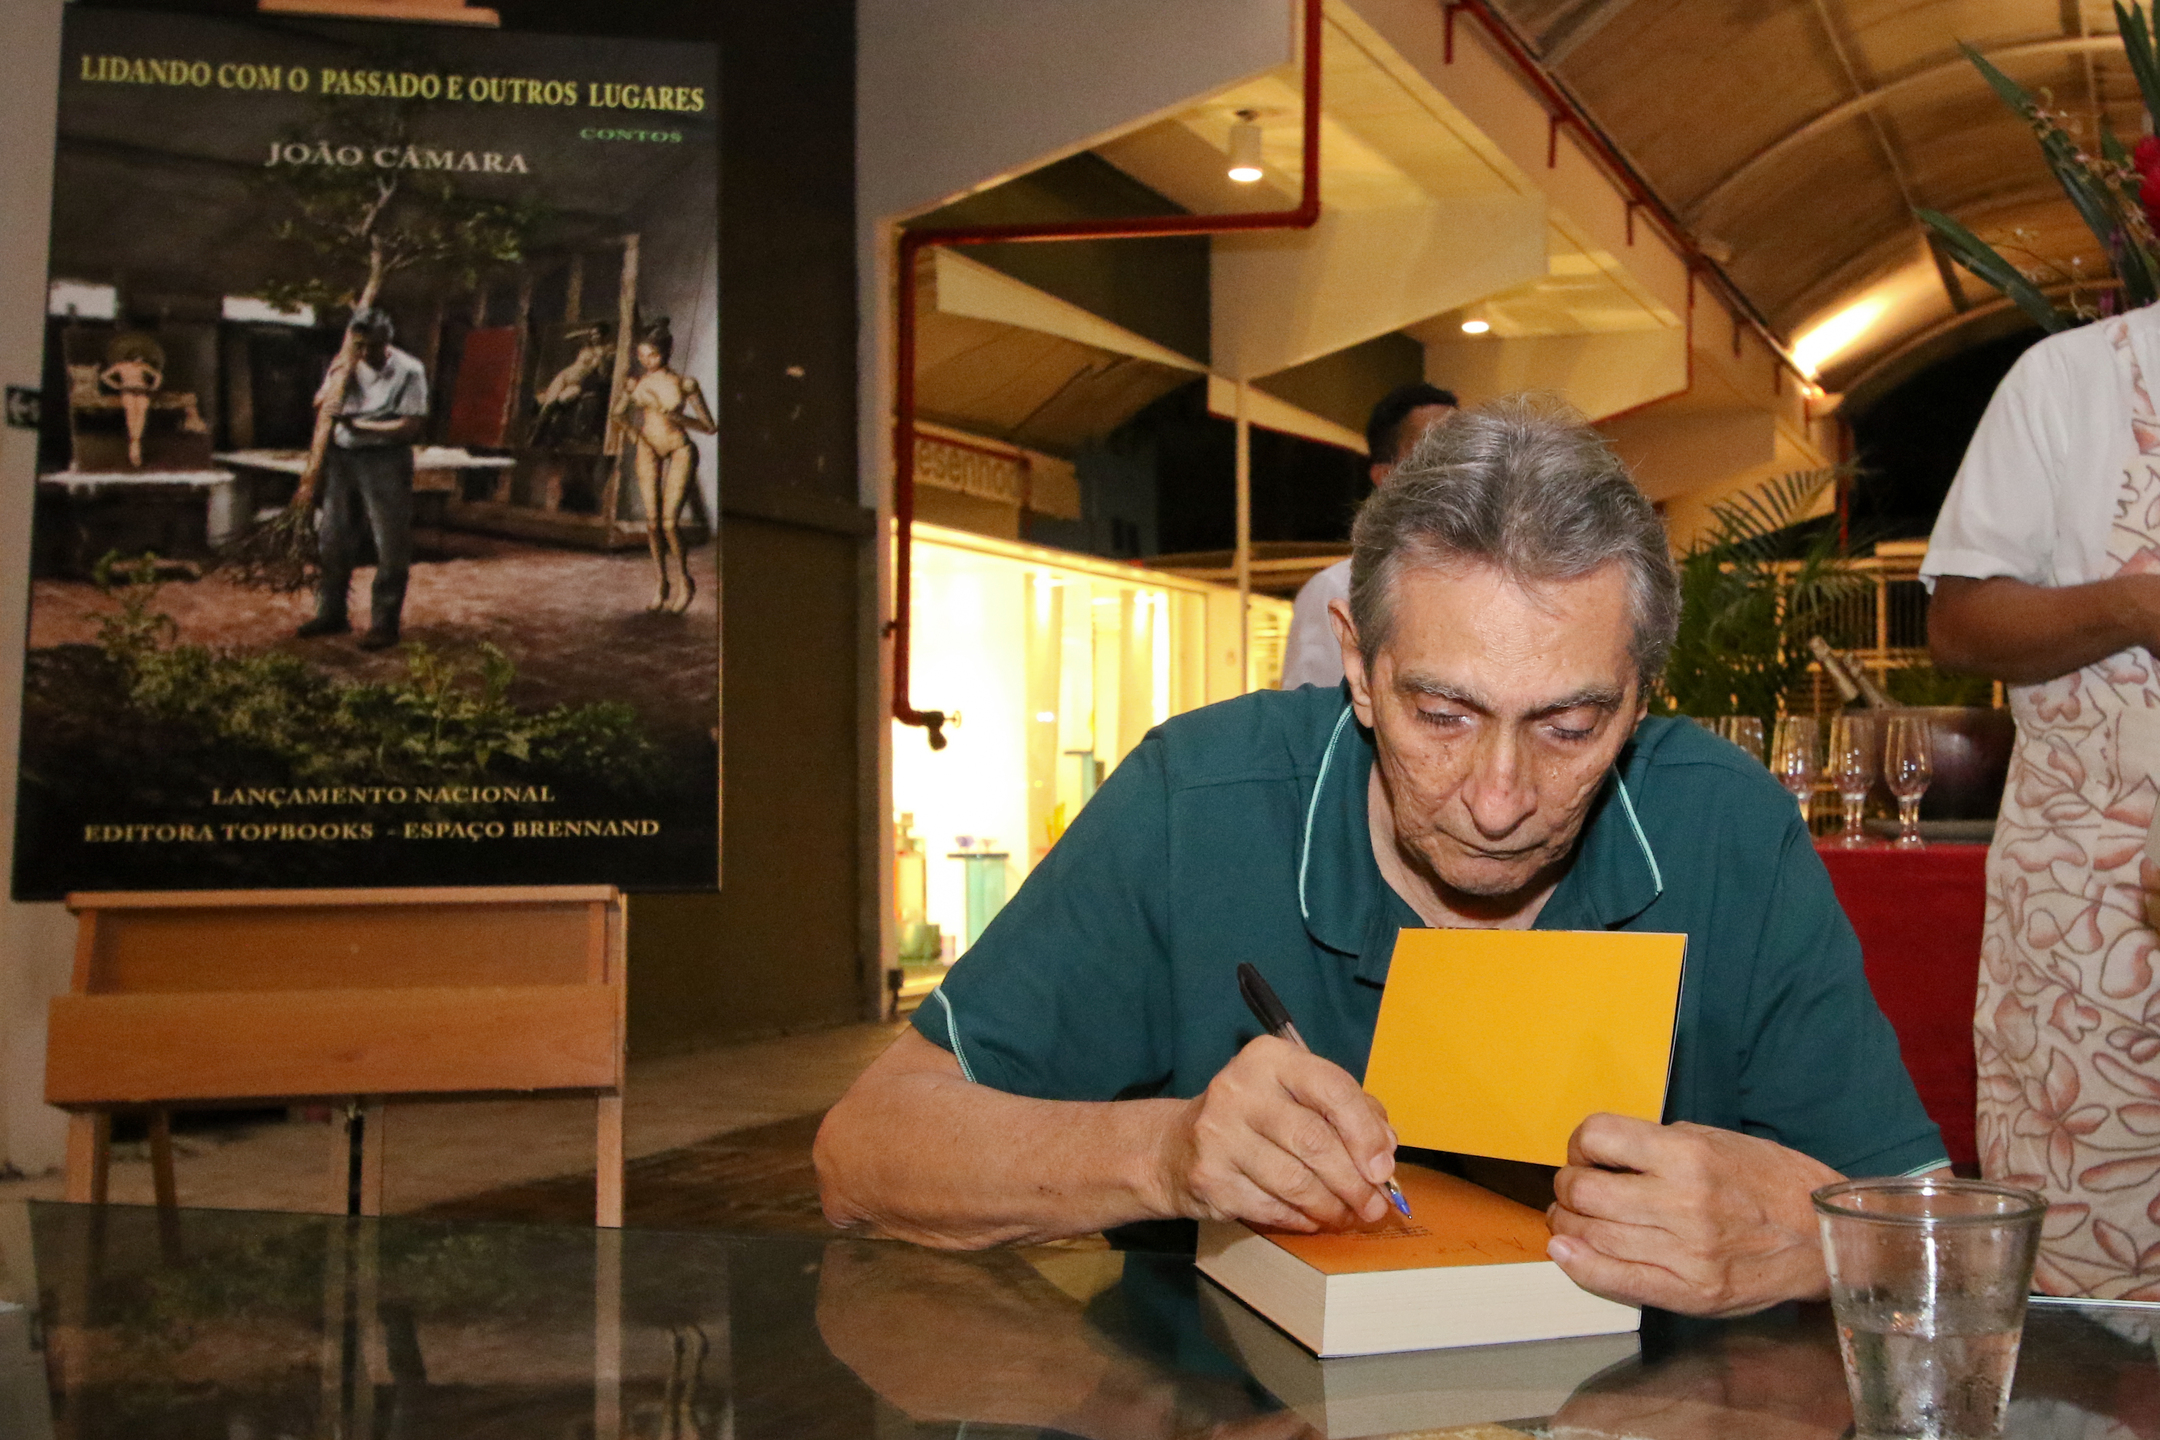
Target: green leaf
{"points": [[2013, 94], [2099, 204], [2138, 48], [1979, 257], [1746, 613]]}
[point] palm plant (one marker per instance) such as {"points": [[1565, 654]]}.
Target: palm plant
{"points": [[2116, 193], [1747, 606]]}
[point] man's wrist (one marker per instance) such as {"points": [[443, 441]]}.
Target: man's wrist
{"points": [[1161, 1155], [2137, 607]]}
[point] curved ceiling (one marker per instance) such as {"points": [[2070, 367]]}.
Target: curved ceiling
{"points": [[1812, 128]]}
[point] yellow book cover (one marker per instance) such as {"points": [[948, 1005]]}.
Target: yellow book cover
{"points": [[1500, 1042]]}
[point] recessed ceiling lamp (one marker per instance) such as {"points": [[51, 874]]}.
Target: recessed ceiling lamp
{"points": [[1245, 148], [1476, 327]]}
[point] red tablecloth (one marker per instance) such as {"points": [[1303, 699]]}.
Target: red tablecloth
{"points": [[1918, 914]]}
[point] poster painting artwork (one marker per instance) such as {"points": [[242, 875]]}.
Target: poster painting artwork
{"points": [[377, 486]]}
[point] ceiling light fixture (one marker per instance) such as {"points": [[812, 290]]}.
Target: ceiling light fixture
{"points": [[1245, 148], [1835, 335], [1476, 327]]}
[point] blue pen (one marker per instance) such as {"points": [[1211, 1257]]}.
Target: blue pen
{"points": [[1274, 1017]]}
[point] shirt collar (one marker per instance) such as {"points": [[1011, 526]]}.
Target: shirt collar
{"points": [[1339, 884], [1345, 902]]}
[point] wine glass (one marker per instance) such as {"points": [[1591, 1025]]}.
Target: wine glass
{"points": [[1852, 769], [1908, 765], [1793, 758], [1746, 732]]}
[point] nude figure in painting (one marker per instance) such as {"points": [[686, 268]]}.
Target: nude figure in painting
{"points": [[134, 373], [137, 373], [669, 405]]}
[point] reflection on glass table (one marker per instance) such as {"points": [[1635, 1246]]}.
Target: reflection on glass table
{"points": [[234, 1326]]}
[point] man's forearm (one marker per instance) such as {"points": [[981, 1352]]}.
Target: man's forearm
{"points": [[2025, 634], [923, 1153]]}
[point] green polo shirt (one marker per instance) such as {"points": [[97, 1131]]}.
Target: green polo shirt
{"points": [[1238, 832]]}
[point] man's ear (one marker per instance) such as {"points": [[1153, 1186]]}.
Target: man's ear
{"points": [[1353, 660]]}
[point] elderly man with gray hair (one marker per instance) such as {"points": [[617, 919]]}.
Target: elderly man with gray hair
{"points": [[1088, 1063]]}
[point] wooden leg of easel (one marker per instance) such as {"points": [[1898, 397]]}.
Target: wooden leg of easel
{"points": [[89, 1157], [356, 1161], [607, 1334], [608, 1166], [161, 1160], [373, 1114]]}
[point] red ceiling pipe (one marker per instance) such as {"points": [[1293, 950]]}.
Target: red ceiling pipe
{"points": [[914, 242]]}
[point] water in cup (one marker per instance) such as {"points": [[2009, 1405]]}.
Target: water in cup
{"points": [[1928, 1276], [1944, 1376]]}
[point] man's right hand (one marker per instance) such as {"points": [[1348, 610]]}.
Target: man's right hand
{"points": [[1280, 1137]]}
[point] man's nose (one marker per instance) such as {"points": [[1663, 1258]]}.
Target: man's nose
{"points": [[1500, 792]]}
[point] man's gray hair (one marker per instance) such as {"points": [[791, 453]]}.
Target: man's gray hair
{"points": [[1526, 485]]}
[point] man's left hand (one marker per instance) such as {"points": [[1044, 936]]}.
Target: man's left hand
{"points": [[1687, 1218]]}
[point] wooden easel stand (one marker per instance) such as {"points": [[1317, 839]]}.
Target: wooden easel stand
{"points": [[228, 997]]}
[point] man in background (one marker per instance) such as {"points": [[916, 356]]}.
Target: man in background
{"points": [[1311, 655], [367, 478]]}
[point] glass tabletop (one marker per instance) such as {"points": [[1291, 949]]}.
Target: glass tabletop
{"points": [[229, 1325]]}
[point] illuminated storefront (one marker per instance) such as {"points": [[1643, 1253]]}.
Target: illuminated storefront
{"points": [[1052, 665]]}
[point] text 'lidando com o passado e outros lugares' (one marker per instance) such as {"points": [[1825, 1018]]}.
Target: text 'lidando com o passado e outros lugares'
{"points": [[331, 80]]}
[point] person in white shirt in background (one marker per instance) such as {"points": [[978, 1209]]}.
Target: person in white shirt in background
{"points": [[2045, 566], [1311, 654], [367, 480]]}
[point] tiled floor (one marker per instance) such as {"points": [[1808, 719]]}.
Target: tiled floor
{"points": [[440, 1152]]}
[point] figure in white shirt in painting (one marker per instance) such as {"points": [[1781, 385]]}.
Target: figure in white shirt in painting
{"points": [[1311, 654], [2045, 565], [367, 479]]}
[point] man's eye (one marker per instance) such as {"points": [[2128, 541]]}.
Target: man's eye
{"points": [[1572, 729], [1441, 717]]}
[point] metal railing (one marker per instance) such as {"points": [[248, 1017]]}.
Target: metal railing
{"points": [[1881, 624]]}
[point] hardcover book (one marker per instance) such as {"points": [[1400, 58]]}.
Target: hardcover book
{"points": [[1468, 1269]]}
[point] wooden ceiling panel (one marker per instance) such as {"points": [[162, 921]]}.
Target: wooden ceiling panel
{"points": [[1801, 132], [1787, 225], [1962, 142], [1893, 38], [1690, 89]]}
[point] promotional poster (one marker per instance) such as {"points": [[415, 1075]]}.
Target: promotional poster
{"points": [[374, 540]]}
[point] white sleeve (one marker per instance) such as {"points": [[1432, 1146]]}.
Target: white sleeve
{"points": [[410, 401], [2000, 515], [1310, 654]]}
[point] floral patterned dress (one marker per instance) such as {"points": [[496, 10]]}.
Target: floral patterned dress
{"points": [[2067, 1028]]}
